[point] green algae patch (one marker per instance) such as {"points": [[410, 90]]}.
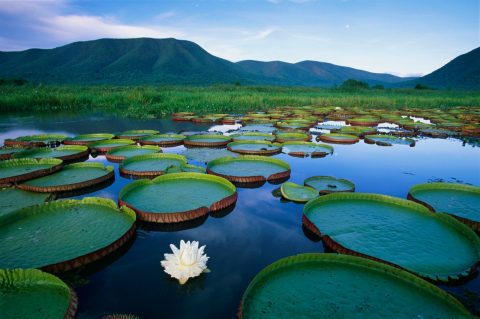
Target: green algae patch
{"points": [[118, 154], [22, 169], [12, 199], [304, 149], [31, 293], [150, 165], [297, 193], [339, 286], [254, 147], [61, 235], [395, 231], [183, 197], [329, 184]]}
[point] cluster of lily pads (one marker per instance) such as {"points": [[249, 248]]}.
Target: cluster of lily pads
{"points": [[387, 243]]}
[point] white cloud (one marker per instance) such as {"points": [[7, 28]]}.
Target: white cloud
{"points": [[165, 15], [262, 34]]}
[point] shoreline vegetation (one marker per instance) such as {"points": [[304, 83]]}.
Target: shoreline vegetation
{"points": [[160, 101]]}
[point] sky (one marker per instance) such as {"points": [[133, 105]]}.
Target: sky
{"points": [[402, 37]]}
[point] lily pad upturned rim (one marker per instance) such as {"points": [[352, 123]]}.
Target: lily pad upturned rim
{"points": [[27, 277], [177, 139], [337, 247], [475, 225], [82, 153], [109, 174], [330, 138], [128, 172], [77, 140], [90, 257], [250, 179], [182, 216], [56, 165], [106, 148], [191, 140], [285, 194], [312, 154], [135, 134], [323, 192], [8, 155], [354, 261], [369, 139], [283, 137], [111, 157], [274, 151]]}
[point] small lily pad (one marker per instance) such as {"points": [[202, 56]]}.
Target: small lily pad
{"points": [[254, 147], [388, 140], [302, 149], [118, 154], [298, 193], [329, 184], [338, 138], [150, 165]]}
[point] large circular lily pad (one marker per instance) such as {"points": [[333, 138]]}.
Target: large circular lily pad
{"points": [[298, 193], [329, 184], [207, 140], [118, 154], [136, 134], [106, 145], [184, 196], [32, 294], [65, 234], [338, 138], [85, 139], [71, 177], [255, 147], [22, 169], [249, 168], [302, 149], [36, 140], [252, 136], [459, 200], [8, 152], [290, 137], [67, 153], [364, 121], [166, 140], [388, 140], [339, 286], [395, 231], [150, 165], [12, 199], [205, 155]]}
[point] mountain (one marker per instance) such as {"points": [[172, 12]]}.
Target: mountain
{"points": [[169, 61], [463, 72]]}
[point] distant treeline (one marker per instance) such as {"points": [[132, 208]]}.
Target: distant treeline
{"points": [[16, 82]]}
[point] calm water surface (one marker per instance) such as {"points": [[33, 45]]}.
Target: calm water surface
{"points": [[259, 230]]}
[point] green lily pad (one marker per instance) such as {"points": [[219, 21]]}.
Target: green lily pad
{"points": [[303, 149], [207, 140], [289, 137], [71, 177], [363, 121], [106, 145], [136, 134], [8, 152], [356, 130], [339, 286], [249, 168], [329, 184], [150, 165], [12, 199], [22, 169], [459, 200], [252, 136], [163, 140], [64, 152], [184, 196], [31, 293], [297, 193], [254, 147], [36, 140], [388, 140], [85, 139], [118, 154], [187, 168], [396, 231], [205, 155], [64, 234], [338, 138], [262, 128]]}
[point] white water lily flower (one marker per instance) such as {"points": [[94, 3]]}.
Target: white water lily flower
{"points": [[187, 262]]}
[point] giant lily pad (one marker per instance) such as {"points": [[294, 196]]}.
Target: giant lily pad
{"points": [[339, 286], [254, 147], [136, 134], [249, 168], [107, 145], [364, 121], [302, 149], [31, 293], [329, 184], [166, 140], [187, 168], [85, 139], [297, 193], [207, 140], [71, 177], [36, 140], [118, 154], [184, 196], [388, 140], [459, 200], [65, 234], [289, 137], [395, 231], [8, 152], [12, 199], [252, 136], [150, 165], [22, 169], [338, 138], [67, 153], [356, 130], [205, 155]]}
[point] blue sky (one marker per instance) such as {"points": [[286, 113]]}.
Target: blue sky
{"points": [[401, 37]]}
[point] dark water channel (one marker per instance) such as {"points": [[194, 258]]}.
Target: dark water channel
{"points": [[258, 231]]}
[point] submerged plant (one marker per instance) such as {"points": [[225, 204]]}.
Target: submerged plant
{"points": [[187, 262]]}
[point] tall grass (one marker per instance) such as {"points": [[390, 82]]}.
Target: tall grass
{"points": [[157, 101]]}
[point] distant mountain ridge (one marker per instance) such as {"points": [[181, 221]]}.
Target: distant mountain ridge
{"points": [[168, 61]]}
